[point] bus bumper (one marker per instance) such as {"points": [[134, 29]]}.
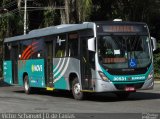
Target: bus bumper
{"points": [[102, 86], [149, 84]]}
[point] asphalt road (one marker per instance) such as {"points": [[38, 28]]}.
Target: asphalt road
{"points": [[13, 99]]}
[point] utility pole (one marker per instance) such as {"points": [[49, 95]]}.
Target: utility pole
{"points": [[25, 17]]}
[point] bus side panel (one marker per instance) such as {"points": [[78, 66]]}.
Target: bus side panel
{"points": [[62, 68], [35, 70], [7, 69], [59, 69], [61, 83]]}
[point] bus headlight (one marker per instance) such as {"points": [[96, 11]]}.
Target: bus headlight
{"points": [[150, 76], [103, 76]]}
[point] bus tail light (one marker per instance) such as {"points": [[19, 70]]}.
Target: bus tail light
{"points": [[103, 76]]}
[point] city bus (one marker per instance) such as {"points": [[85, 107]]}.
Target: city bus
{"points": [[93, 57]]}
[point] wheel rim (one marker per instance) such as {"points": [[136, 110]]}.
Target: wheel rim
{"points": [[77, 89], [26, 86]]}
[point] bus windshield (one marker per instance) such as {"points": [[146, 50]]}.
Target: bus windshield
{"points": [[124, 51]]}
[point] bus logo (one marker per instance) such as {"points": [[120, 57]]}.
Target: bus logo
{"points": [[36, 68]]}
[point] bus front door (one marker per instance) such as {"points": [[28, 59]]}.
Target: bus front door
{"points": [[49, 64], [85, 66]]}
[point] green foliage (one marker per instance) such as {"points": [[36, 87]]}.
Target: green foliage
{"points": [[3, 27], [157, 61], [50, 14], [84, 8], [11, 23], [50, 17]]}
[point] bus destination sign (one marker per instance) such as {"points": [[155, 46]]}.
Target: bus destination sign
{"points": [[123, 28], [118, 28]]}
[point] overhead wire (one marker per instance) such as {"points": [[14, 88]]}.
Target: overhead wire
{"points": [[15, 11], [10, 12], [10, 4]]}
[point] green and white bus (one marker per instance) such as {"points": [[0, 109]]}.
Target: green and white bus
{"points": [[113, 56]]}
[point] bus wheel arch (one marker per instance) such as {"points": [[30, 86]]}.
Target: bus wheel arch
{"points": [[76, 88], [24, 74], [72, 76], [26, 85]]}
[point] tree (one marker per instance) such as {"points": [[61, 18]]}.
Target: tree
{"points": [[84, 9], [51, 16], [11, 20], [78, 10]]}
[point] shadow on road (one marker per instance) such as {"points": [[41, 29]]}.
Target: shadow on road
{"points": [[3, 84], [101, 97], [56, 93], [110, 97]]}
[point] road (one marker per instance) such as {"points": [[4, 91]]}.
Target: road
{"points": [[13, 99]]}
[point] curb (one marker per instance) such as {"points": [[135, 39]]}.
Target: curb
{"points": [[157, 82]]}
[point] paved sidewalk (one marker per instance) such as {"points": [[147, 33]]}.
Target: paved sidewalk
{"points": [[157, 82]]}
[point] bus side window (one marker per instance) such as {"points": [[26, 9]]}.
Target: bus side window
{"points": [[73, 45], [24, 46], [7, 55], [38, 48], [60, 46]]}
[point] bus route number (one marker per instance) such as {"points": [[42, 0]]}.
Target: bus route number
{"points": [[120, 79]]}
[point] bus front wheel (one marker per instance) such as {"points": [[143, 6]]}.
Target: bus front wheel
{"points": [[76, 90], [27, 88]]}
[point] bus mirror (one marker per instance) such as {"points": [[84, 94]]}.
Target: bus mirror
{"points": [[154, 43], [91, 44]]}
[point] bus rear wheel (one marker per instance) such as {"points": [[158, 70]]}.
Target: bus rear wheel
{"points": [[76, 90], [27, 88]]}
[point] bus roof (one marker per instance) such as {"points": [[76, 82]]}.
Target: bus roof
{"points": [[120, 23], [65, 28], [51, 31]]}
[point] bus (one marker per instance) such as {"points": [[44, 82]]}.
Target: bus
{"points": [[109, 56]]}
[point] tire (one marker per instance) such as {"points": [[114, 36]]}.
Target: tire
{"points": [[27, 88], [76, 90], [122, 95]]}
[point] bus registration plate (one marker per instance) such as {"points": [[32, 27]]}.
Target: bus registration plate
{"points": [[130, 89]]}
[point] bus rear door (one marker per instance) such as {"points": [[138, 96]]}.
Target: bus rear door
{"points": [[14, 59], [49, 64]]}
